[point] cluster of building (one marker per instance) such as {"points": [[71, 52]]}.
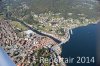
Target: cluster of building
{"points": [[21, 49], [55, 22]]}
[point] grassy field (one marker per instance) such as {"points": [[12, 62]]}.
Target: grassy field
{"points": [[18, 25]]}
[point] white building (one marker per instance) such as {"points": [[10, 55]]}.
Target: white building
{"points": [[29, 33]]}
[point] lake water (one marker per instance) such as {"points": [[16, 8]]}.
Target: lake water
{"points": [[83, 43]]}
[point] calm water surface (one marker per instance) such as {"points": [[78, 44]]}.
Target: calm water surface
{"points": [[83, 43]]}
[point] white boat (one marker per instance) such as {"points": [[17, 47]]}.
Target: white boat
{"points": [[71, 32]]}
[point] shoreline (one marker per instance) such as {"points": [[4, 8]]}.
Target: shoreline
{"points": [[68, 39], [77, 27]]}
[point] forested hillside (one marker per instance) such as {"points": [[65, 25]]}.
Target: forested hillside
{"points": [[23, 7]]}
